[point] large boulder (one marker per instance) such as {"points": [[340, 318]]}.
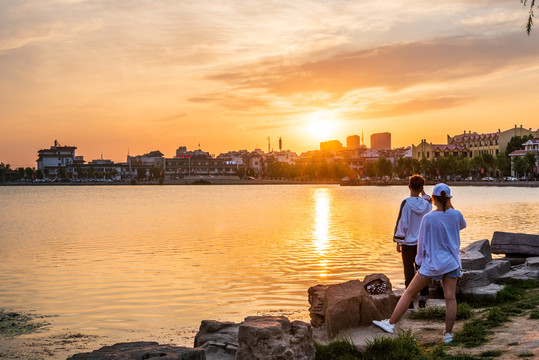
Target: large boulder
{"points": [[476, 255], [351, 304], [141, 350], [515, 244], [218, 339], [316, 300], [342, 306], [274, 338]]}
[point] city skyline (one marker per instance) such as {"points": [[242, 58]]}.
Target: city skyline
{"points": [[113, 76]]}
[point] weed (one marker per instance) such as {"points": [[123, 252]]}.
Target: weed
{"points": [[491, 353], [436, 313], [534, 314], [526, 355], [340, 349]]}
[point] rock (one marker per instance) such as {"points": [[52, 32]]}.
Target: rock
{"points": [[521, 272], [274, 337], [342, 306], [489, 291], [477, 278], [141, 350], [476, 255], [218, 339], [316, 299], [515, 243], [351, 304], [532, 263]]}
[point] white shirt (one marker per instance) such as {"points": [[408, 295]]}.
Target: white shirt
{"points": [[412, 211], [439, 242]]}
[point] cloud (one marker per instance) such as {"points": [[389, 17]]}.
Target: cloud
{"points": [[410, 107], [393, 67]]}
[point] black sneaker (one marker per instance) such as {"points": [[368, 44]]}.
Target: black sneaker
{"points": [[411, 307], [422, 304]]}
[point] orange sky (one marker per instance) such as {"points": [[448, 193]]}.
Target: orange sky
{"points": [[112, 75]]}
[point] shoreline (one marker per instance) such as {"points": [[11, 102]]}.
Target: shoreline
{"points": [[225, 181]]}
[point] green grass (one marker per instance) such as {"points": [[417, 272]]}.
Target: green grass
{"points": [[437, 313], [525, 355], [491, 353], [340, 349], [534, 314]]}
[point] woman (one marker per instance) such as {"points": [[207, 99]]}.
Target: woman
{"points": [[438, 257]]}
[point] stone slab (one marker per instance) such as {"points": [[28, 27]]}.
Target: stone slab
{"points": [[476, 255], [141, 350], [515, 243], [532, 263], [482, 292]]}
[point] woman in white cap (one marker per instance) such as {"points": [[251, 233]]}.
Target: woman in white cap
{"points": [[438, 255]]}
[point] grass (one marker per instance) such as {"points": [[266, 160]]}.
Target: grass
{"points": [[534, 314], [436, 313], [525, 355], [491, 354]]}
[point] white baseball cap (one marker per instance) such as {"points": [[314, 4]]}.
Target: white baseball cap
{"points": [[438, 188]]}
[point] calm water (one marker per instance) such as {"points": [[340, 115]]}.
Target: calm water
{"points": [[115, 258]]}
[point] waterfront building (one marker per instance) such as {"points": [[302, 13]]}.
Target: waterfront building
{"points": [[51, 160], [153, 158], [529, 146], [429, 151], [285, 156], [381, 141]]}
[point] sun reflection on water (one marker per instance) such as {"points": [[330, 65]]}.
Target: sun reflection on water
{"points": [[322, 208]]}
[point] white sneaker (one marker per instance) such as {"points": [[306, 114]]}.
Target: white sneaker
{"points": [[384, 325], [448, 338]]}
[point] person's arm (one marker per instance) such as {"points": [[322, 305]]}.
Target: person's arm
{"points": [[402, 226]]}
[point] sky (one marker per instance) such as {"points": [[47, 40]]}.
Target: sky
{"points": [[119, 76]]}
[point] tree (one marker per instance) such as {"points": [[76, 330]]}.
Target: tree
{"points": [[519, 165], [384, 167], [91, 172], [530, 160], [530, 16], [61, 173], [516, 143], [29, 173], [240, 173], [503, 164], [141, 173]]}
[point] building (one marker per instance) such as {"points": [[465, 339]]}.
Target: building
{"points": [[353, 142], [429, 151], [505, 136], [51, 160], [331, 145], [529, 146], [153, 158], [381, 141]]}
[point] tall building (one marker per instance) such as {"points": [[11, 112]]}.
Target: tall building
{"points": [[331, 145], [381, 141], [353, 142]]}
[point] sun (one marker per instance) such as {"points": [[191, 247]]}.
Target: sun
{"points": [[321, 127]]}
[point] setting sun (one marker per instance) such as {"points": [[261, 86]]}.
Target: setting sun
{"points": [[321, 127]]}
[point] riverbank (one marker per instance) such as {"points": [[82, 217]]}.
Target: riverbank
{"points": [[232, 181]]}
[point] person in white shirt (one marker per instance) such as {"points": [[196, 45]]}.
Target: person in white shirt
{"points": [[438, 257], [412, 210]]}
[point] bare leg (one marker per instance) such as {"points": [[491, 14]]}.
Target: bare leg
{"points": [[450, 286], [418, 283]]}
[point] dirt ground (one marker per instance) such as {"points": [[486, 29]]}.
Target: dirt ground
{"points": [[519, 336]]}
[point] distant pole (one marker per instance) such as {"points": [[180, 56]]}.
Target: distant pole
{"points": [[269, 144]]}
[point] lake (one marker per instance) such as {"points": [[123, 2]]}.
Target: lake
{"points": [[110, 259]]}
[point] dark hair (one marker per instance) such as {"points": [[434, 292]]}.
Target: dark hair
{"points": [[443, 199], [416, 182]]}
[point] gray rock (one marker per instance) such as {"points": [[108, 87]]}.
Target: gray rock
{"points": [[218, 339], [532, 263], [274, 338], [141, 350], [493, 270], [489, 291], [476, 255], [515, 243], [520, 273]]}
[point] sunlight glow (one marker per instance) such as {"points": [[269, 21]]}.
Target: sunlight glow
{"points": [[321, 125], [322, 212]]}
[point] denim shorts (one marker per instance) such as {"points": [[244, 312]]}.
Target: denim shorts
{"points": [[452, 274]]}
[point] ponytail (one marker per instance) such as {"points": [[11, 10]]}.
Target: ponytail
{"points": [[443, 199]]}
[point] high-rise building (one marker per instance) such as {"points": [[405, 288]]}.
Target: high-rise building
{"points": [[331, 145], [381, 141], [353, 142]]}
